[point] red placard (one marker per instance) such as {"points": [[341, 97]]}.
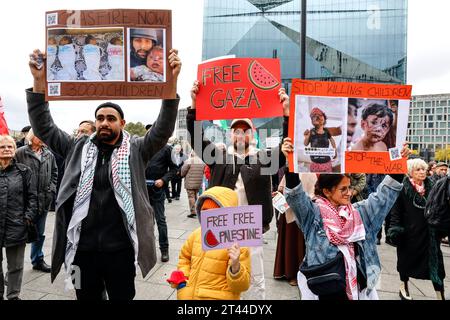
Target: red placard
{"points": [[239, 88], [3, 125]]}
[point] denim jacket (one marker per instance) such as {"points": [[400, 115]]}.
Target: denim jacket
{"points": [[372, 210]]}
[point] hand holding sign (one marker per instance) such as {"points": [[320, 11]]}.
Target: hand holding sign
{"points": [[406, 152], [287, 147], [194, 92], [284, 99], [37, 60], [234, 252], [174, 62]]}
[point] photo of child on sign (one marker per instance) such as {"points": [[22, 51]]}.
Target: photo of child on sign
{"points": [[146, 54], [319, 131], [375, 124], [85, 54]]}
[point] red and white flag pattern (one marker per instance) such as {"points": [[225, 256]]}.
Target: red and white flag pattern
{"points": [[3, 125]]}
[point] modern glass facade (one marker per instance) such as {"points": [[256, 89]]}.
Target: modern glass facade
{"points": [[347, 40], [429, 124]]}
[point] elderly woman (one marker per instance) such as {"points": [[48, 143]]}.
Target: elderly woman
{"points": [[341, 260], [18, 201], [419, 254]]}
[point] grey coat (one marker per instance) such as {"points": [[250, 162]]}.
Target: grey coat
{"points": [[45, 171], [16, 204], [142, 149]]}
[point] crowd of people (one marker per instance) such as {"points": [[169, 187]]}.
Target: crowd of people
{"points": [[108, 189]]}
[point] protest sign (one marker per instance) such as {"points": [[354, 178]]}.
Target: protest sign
{"points": [[3, 125], [345, 127], [108, 54], [238, 88], [279, 202], [224, 226]]}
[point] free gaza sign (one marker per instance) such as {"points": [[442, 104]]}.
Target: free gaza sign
{"points": [[239, 88]]}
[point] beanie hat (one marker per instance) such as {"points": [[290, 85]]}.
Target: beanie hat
{"points": [[209, 204], [216, 197], [110, 105]]}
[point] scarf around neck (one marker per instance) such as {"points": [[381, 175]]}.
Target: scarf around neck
{"points": [[343, 226], [121, 178], [419, 188]]}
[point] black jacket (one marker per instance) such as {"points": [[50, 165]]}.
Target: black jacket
{"points": [[141, 151], [103, 229], [225, 169], [13, 210], [161, 166], [45, 171], [416, 242]]}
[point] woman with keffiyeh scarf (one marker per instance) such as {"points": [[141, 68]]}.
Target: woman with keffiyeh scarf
{"points": [[333, 225], [419, 254]]}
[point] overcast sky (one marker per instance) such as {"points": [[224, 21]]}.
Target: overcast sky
{"points": [[22, 25]]}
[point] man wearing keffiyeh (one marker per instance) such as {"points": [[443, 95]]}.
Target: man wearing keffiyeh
{"points": [[104, 222]]}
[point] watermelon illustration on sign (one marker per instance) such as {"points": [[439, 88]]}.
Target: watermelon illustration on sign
{"points": [[210, 239], [260, 77]]}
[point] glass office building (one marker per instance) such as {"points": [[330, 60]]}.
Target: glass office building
{"points": [[346, 40]]}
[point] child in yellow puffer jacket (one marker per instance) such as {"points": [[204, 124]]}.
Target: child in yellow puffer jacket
{"points": [[221, 274]]}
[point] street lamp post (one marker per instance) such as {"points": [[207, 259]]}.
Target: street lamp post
{"points": [[303, 41]]}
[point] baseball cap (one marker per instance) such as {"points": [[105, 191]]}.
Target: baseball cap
{"points": [[441, 164], [244, 120], [144, 33]]}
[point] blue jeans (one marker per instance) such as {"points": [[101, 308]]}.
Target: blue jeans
{"points": [[157, 198], [37, 256]]}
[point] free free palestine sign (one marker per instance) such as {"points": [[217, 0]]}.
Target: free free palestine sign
{"points": [[224, 226]]}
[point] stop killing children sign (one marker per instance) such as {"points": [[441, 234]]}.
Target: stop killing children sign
{"points": [[224, 226]]}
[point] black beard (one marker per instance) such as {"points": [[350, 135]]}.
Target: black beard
{"points": [[107, 138]]}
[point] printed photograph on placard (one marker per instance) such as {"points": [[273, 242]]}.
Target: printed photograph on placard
{"points": [[373, 125], [147, 54], [85, 54], [320, 128]]}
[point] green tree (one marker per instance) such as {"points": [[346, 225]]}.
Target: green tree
{"points": [[442, 154], [135, 128]]}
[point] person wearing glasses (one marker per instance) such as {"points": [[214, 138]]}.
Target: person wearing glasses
{"points": [[341, 260], [419, 255]]}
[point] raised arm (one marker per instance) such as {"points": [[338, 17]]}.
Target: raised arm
{"points": [[297, 199], [162, 129], [38, 110], [374, 209], [191, 126]]}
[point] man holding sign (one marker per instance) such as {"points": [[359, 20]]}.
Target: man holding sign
{"points": [[244, 169], [104, 221]]}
